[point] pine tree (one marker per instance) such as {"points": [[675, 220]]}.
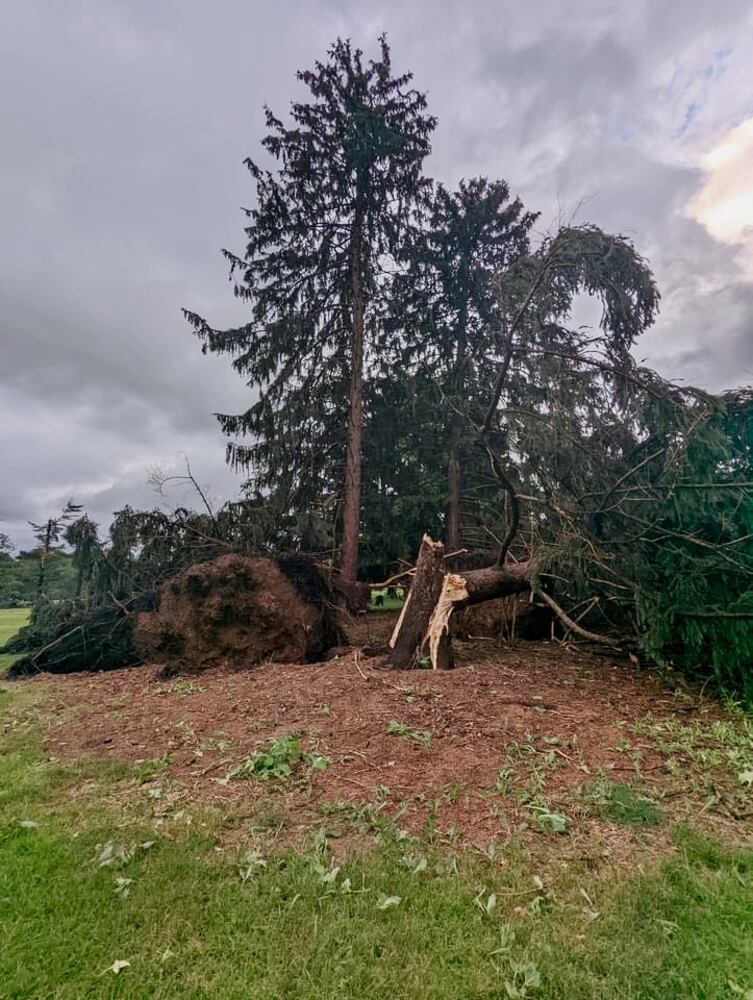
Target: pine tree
{"points": [[48, 535], [446, 299], [327, 223]]}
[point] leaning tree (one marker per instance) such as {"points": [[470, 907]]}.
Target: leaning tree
{"points": [[328, 220], [529, 397], [627, 500]]}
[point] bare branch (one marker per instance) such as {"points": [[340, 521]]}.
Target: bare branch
{"points": [[573, 626]]}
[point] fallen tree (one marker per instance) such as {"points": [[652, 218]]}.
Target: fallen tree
{"points": [[179, 590], [422, 634], [654, 542], [626, 501]]}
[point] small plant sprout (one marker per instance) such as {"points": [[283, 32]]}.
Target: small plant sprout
{"points": [[548, 820], [421, 737], [525, 978], [506, 940], [277, 759], [415, 864], [486, 903], [251, 863], [123, 886]]}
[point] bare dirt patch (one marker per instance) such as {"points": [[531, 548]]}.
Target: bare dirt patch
{"points": [[474, 753]]}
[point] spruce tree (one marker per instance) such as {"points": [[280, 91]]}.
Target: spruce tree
{"points": [[48, 536], [327, 223], [446, 300]]}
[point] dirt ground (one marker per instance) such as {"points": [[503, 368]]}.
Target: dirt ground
{"points": [[471, 750]]}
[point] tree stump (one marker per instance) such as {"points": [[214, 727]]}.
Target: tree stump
{"points": [[410, 635], [423, 627]]}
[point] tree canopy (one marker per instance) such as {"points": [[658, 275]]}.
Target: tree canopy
{"points": [[328, 223]]}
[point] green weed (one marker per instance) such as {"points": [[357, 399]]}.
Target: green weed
{"points": [[421, 737], [278, 759], [622, 804]]}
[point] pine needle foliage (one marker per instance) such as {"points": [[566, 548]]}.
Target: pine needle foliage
{"points": [[639, 509], [346, 186]]}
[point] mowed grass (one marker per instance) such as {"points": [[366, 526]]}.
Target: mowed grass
{"points": [[11, 620], [387, 603], [199, 910]]}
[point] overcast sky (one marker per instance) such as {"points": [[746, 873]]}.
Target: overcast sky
{"points": [[124, 126]]}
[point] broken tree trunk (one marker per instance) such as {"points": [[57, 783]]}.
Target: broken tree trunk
{"points": [[408, 639], [423, 627]]}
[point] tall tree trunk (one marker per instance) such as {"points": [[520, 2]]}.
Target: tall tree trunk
{"points": [[454, 475], [353, 457], [454, 531]]}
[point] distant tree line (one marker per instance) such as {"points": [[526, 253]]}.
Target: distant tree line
{"points": [[19, 575]]}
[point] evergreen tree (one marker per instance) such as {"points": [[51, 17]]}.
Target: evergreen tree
{"points": [[48, 535], [326, 225], [405, 457], [446, 300]]}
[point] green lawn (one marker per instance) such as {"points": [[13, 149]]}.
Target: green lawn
{"points": [[11, 620], [200, 911], [388, 603]]}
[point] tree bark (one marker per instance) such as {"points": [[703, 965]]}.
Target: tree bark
{"points": [[454, 474], [454, 531], [353, 457], [423, 627], [409, 637]]}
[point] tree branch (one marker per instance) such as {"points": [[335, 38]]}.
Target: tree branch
{"points": [[563, 616]]}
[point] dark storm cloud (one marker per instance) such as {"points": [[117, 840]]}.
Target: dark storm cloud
{"points": [[124, 126]]}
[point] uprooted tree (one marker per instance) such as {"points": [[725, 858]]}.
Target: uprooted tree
{"points": [[646, 543], [182, 589]]}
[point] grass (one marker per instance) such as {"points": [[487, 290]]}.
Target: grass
{"points": [[93, 875], [623, 805], [11, 620], [388, 603]]}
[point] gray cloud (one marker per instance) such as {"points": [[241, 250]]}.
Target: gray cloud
{"points": [[124, 127]]}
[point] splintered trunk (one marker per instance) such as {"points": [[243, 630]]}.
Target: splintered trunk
{"points": [[353, 457], [423, 629], [409, 640]]}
